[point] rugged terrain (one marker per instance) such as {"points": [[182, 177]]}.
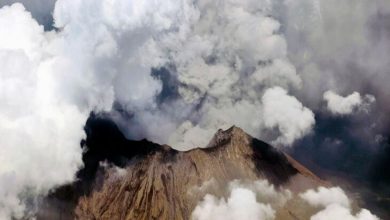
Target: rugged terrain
{"points": [[158, 182]]}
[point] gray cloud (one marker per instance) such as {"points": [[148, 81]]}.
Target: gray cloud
{"points": [[338, 48]]}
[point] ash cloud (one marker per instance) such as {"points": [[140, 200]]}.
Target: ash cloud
{"points": [[221, 73], [176, 71], [343, 50]]}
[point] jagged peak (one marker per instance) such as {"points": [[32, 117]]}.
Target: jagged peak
{"points": [[234, 130], [222, 136]]}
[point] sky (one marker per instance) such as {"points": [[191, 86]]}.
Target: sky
{"points": [[307, 76]]}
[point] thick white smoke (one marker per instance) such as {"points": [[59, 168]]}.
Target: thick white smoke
{"points": [[221, 71], [335, 203], [241, 204], [287, 114], [260, 200], [346, 105], [246, 201], [40, 131], [41, 10]]}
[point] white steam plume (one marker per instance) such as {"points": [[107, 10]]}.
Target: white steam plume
{"points": [[346, 105], [285, 112], [39, 131], [221, 71], [260, 200], [241, 204], [246, 201], [335, 204]]}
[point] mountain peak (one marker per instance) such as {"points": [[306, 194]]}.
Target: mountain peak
{"points": [[222, 136], [155, 184]]}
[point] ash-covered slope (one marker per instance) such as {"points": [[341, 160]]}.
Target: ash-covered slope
{"points": [[158, 182]]}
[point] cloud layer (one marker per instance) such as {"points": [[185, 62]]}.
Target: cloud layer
{"points": [[260, 200]]}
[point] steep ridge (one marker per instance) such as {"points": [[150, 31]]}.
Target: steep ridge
{"points": [[158, 184]]}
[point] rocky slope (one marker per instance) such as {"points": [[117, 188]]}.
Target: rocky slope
{"points": [[158, 182]]}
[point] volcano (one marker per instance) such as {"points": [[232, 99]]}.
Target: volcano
{"points": [[125, 179]]}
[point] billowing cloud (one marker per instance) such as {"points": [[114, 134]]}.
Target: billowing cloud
{"points": [[41, 10], [220, 73], [326, 196], [260, 200], [287, 114], [241, 204], [346, 105], [338, 212], [247, 201], [40, 132], [335, 204]]}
